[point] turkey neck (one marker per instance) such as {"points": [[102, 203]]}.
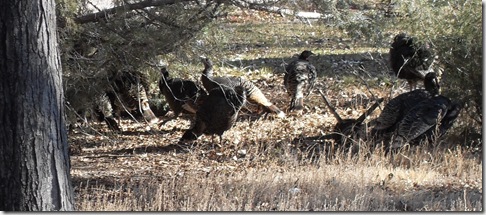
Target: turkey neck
{"points": [[165, 78], [302, 58], [208, 70]]}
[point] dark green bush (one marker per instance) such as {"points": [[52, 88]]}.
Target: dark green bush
{"points": [[454, 28]]}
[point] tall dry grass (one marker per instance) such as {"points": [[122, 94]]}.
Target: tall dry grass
{"points": [[364, 186], [273, 175]]}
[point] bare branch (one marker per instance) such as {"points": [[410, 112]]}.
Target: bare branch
{"points": [[369, 111], [331, 108]]}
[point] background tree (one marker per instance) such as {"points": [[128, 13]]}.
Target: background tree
{"points": [[101, 44], [34, 160]]}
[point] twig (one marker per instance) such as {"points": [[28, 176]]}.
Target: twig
{"points": [[105, 156], [333, 110], [370, 110]]}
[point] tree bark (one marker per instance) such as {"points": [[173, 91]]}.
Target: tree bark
{"points": [[34, 160]]}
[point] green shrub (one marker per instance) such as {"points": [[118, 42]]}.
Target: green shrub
{"points": [[454, 28]]}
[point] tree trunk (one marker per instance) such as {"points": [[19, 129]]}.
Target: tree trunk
{"points": [[34, 160]]}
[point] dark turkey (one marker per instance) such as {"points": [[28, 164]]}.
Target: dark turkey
{"points": [[398, 107], [410, 60], [299, 80], [129, 96], [253, 93], [183, 96], [217, 113], [104, 112], [428, 120]]}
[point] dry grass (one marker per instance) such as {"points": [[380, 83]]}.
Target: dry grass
{"points": [[260, 167]]}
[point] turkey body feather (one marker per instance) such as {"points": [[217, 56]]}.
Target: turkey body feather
{"points": [[299, 80], [179, 92], [218, 112], [183, 96], [397, 107], [429, 119]]}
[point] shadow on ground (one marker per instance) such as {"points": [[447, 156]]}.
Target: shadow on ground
{"points": [[367, 64]]}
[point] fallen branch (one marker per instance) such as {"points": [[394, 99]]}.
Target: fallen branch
{"points": [[333, 110], [264, 6], [104, 156], [95, 17]]}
